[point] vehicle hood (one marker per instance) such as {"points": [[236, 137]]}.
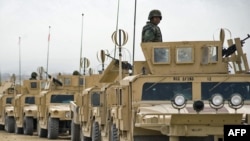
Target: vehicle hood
{"points": [[30, 107], [60, 107]]}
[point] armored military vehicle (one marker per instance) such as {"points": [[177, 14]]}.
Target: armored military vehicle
{"points": [[90, 112], [54, 115], [25, 111], [183, 91], [7, 92], [91, 80]]}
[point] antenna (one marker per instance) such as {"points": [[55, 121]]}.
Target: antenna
{"points": [[134, 38], [48, 53], [19, 44], [117, 19], [81, 61], [119, 43]]}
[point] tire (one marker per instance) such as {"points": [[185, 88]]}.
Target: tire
{"points": [[28, 126], [96, 132], [1, 127], [75, 132], [9, 124], [42, 133], [18, 130], [114, 133], [53, 128]]}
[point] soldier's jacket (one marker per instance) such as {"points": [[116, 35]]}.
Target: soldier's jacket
{"points": [[151, 33]]}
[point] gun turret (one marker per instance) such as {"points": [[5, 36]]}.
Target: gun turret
{"points": [[125, 65], [56, 81], [230, 50]]}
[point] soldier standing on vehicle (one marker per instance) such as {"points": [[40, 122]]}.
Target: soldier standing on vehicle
{"points": [[151, 31]]}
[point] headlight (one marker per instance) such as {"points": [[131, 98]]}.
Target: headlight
{"points": [[236, 101], [29, 111], [55, 112], [179, 101], [216, 101]]}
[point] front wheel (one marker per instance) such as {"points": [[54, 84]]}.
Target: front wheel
{"points": [[53, 128], [114, 133], [28, 126], [9, 124], [96, 132], [75, 131]]}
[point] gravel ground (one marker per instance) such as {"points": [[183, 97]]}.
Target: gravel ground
{"points": [[4, 136]]}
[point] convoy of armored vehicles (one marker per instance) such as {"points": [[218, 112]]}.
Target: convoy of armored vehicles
{"points": [[183, 91]]}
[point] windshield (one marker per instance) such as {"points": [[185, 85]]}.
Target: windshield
{"points": [[226, 89], [30, 100], [59, 98], [166, 91], [8, 100], [95, 99]]}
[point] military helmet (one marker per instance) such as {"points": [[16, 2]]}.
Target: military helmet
{"points": [[33, 75], [154, 13]]}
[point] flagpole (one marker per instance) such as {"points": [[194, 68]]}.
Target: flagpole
{"points": [[134, 37], [48, 54], [19, 44]]}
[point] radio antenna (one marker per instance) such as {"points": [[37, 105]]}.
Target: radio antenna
{"points": [[47, 68], [117, 20], [81, 61]]}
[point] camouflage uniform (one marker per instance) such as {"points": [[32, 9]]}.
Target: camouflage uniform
{"points": [[151, 32]]}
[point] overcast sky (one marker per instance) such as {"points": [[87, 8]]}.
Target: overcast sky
{"points": [[183, 20]]}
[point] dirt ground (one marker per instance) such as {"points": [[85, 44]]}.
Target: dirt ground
{"points": [[4, 136]]}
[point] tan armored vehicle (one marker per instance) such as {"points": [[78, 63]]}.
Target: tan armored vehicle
{"points": [[90, 111], [91, 82], [54, 115], [182, 92], [25, 108], [7, 92]]}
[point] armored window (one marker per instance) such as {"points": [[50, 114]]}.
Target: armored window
{"points": [[59, 98], [166, 91], [209, 54], [95, 99], [29, 100], [161, 55], [8, 100], [67, 81], [33, 85], [226, 89], [184, 55]]}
